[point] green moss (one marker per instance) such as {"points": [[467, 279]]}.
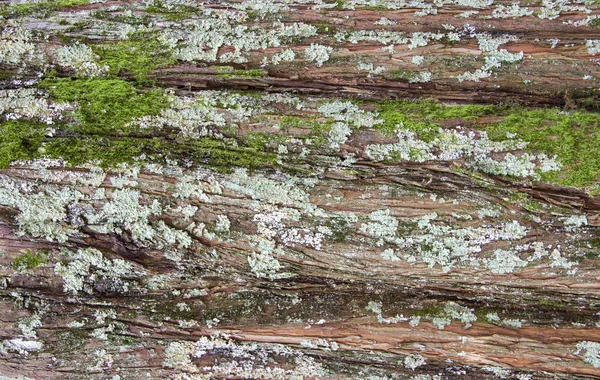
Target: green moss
{"points": [[430, 311], [400, 75], [20, 140], [30, 260], [105, 104], [68, 342], [223, 156], [178, 13], [325, 29], [261, 140], [406, 115], [108, 151], [99, 131], [243, 73], [42, 8], [574, 137], [137, 56], [339, 4], [379, 8], [5, 75]]}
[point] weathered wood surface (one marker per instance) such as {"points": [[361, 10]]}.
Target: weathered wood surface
{"points": [[300, 226]]}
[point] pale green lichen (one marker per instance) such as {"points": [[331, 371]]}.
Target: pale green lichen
{"points": [[317, 53], [81, 59], [41, 214], [21, 346], [500, 372], [591, 354], [263, 265], [349, 113], [244, 360], [319, 344], [381, 224], [504, 261], [31, 104], [414, 361], [286, 55], [28, 325], [514, 323], [89, 265], [477, 149], [204, 41], [15, 47], [223, 224], [125, 211]]}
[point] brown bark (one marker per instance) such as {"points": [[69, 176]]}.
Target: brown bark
{"points": [[337, 309]]}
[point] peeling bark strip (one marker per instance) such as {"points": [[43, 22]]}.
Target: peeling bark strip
{"points": [[299, 189]]}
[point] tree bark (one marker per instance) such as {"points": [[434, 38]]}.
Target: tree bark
{"points": [[297, 259]]}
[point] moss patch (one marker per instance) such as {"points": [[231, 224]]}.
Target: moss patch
{"points": [[30, 260], [105, 104], [241, 73], [20, 140], [572, 136], [99, 131], [137, 56], [42, 8]]}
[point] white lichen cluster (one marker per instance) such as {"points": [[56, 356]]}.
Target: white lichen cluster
{"points": [[392, 38], [384, 21], [271, 225], [414, 361], [262, 263], [346, 116], [169, 4], [575, 221], [41, 214], [437, 243], [317, 53], [15, 47], [208, 36], [262, 7], [350, 113], [510, 322], [261, 188], [384, 37], [375, 307], [512, 11], [591, 353], [125, 212], [499, 372], [420, 77], [319, 344], [370, 68], [30, 103], [242, 360], [552, 9], [286, 55], [381, 224], [81, 59], [476, 149], [28, 325], [451, 311], [494, 58], [207, 112], [21, 346], [85, 267], [593, 46]]}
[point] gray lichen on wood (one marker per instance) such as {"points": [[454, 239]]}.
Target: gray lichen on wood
{"points": [[299, 189]]}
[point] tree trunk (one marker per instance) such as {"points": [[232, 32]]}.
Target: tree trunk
{"points": [[394, 199]]}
